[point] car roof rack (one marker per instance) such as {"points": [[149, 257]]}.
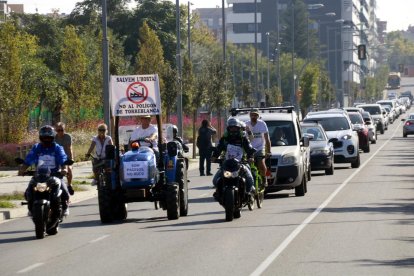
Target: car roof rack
{"points": [[235, 111]]}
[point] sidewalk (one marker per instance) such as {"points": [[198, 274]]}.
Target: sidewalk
{"points": [[82, 171]]}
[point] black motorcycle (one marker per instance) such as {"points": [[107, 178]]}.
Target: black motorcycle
{"points": [[232, 189], [46, 202]]}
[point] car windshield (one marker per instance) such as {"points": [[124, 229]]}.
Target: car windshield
{"points": [[316, 131], [411, 116], [373, 110], [355, 118], [281, 131], [332, 123]]}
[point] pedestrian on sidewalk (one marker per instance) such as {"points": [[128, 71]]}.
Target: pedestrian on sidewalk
{"points": [[65, 140], [99, 143], [206, 134]]}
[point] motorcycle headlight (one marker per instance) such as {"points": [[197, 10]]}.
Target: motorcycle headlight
{"points": [[229, 174], [288, 159], [324, 151], [41, 187], [347, 137]]}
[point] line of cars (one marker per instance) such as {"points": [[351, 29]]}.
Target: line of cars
{"points": [[320, 140]]}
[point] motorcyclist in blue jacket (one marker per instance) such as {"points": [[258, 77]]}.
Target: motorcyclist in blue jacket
{"points": [[50, 155], [236, 141]]}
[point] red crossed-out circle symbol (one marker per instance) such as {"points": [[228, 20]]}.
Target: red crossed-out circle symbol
{"points": [[137, 92]]}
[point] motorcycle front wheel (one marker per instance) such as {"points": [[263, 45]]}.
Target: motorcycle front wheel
{"points": [[39, 221], [229, 203]]}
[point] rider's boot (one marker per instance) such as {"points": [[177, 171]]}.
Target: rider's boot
{"points": [[216, 194], [65, 209]]}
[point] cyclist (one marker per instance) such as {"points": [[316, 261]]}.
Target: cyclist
{"points": [[261, 141], [99, 143]]}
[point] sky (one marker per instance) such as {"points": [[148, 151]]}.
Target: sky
{"points": [[398, 13]]}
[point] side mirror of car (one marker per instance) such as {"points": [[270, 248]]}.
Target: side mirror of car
{"points": [[304, 141], [403, 120], [309, 135]]}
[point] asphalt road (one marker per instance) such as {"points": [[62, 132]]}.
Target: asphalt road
{"points": [[356, 222]]}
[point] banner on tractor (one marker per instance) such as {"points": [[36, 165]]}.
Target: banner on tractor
{"points": [[135, 95]]}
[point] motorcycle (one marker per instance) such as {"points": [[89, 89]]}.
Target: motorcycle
{"points": [[232, 189], [46, 202]]}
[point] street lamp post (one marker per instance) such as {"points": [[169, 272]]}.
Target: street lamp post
{"points": [[105, 68], [256, 77], [310, 7], [279, 81], [189, 31], [178, 59], [223, 23], [293, 96], [268, 62]]}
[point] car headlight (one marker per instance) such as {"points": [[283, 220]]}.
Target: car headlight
{"points": [[288, 159], [324, 151], [41, 187], [347, 137], [229, 174]]}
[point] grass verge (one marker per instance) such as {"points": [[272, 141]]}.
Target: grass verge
{"points": [[6, 204]]}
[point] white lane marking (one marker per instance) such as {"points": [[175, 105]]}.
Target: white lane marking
{"points": [[27, 269], [203, 195], [99, 239], [268, 261]]}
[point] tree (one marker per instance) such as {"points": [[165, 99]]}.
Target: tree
{"points": [[17, 52], [309, 87], [246, 95], [299, 24], [219, 96], [160, 17], [170, 92], [150, 58], [74, 65]]}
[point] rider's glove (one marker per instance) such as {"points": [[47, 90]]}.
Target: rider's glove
{"points": [[250, 160], [70, 189], [87, 155]]}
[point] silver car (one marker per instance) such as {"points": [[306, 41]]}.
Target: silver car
{"points": [[372, 127], [408, 127]]}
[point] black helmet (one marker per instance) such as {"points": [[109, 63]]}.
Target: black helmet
{"points": [[233, 122], [47, 131]]}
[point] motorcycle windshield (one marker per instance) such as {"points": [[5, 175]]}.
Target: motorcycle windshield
{"points": [[42, 173]]}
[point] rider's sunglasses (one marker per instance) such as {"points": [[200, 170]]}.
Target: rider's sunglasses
{"points": [[59, 130], [101, 130]]}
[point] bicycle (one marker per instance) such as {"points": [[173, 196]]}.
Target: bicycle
{"points": [[259, 187], [98, 166]]}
